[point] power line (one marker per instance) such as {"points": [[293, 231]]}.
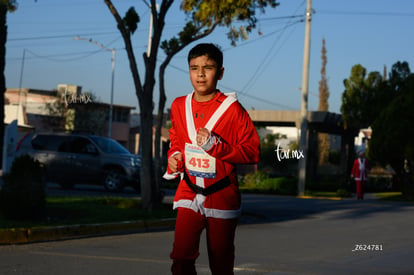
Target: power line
{"points": [[51, 57], [262, 36], [366, 13], [282, 17], [260, 99], [235, 90], [266, 59], [57, 36]]}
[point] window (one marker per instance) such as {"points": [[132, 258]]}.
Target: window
{"points": [[121, 115]]}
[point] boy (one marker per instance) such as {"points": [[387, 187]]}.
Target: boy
{"points": [[210, 133]]}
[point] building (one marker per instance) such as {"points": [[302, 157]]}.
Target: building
{"points": [[362, 140], [65, 109]]}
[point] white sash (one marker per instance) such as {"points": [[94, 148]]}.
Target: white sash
{"points": [[198, 202], [192, 133]]}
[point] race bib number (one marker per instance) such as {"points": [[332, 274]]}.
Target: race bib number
{"points": [[199, 163]]}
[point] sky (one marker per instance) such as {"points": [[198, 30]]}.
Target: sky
{"points": [[265, 71]]}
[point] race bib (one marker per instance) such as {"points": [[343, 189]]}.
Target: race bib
{"points": [[198, 162]]}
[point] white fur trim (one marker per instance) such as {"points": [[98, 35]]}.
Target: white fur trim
{"points": [[208, 212]]}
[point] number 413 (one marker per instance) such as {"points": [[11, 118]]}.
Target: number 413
{"points": [[199, 162]]}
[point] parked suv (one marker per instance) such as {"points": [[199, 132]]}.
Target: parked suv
{"points": [[70, 159]]}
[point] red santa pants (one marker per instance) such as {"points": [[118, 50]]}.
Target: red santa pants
{"points": [[220, 243], [360, 189]]}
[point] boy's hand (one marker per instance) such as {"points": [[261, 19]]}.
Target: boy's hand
{"points": [[202, 136], [175, 162]]}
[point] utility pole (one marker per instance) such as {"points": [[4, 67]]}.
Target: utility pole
{"points": [[150, 28], [20, 86], [304, 106], [150, 34]]}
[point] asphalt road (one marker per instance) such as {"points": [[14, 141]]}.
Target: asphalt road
{"points": [[276, 235]]}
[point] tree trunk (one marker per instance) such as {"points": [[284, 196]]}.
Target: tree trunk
{"points": [[146, 154], [3, 39], [157, 143], [157, 152], [151, 194]]}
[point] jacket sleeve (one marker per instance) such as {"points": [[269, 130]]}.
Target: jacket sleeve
{"points": [[242, 144], [353, 169], [174, 144]]}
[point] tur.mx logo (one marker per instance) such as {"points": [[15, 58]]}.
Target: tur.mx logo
{"points": [[73, 98], [288, 154]]}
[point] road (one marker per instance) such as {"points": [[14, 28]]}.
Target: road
{"points": [[276, 235]]}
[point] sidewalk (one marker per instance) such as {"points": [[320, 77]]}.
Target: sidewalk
{"points": [[29, 235]]}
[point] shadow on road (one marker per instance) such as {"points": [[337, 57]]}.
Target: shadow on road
{"points": [[269, 208]]}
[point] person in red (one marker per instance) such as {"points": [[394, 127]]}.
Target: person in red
{"points": [[359, 172], [211, 132]]}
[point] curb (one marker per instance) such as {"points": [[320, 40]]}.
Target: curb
{"points": [[43, 234], [320, 198]]}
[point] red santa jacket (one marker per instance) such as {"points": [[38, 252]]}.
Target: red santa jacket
{"points": [[360, 169], [237, 142]]}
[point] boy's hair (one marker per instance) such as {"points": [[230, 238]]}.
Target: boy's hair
{"points": [[212, 51]]}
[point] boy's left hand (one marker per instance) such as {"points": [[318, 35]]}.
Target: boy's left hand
{"points": [[202, 136]]}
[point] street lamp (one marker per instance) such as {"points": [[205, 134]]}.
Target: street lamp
{"points": [[112, 80]]}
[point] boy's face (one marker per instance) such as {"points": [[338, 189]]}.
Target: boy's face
{"points": [[204, 75]]}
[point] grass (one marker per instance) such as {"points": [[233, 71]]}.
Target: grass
{"points": [[89, 210], [393, 196]]}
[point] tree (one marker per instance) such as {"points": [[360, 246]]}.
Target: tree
{"points": [[205, 16], [392, 131], [398, 76], [323, 106], [386, 106], [360, 98], [72, 112], [5, 6]]}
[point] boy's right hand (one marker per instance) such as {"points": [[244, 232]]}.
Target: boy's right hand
{"points": [[175, 163]]}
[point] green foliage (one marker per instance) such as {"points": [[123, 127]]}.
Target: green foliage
{"points": [[360, 100], [90, 120], [386, 106], [323, 148], [268, 155], [206, 15], [131, 20], [23, 194], [67, 210], [399, 73], [323, 83], [343, 193], [252, 180], [323, 138], [260, 182], [378, 183], [10, 4], [394, 126]]}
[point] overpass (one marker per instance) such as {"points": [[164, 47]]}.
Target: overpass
{"points": [[318, 122], [325, 122]]}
